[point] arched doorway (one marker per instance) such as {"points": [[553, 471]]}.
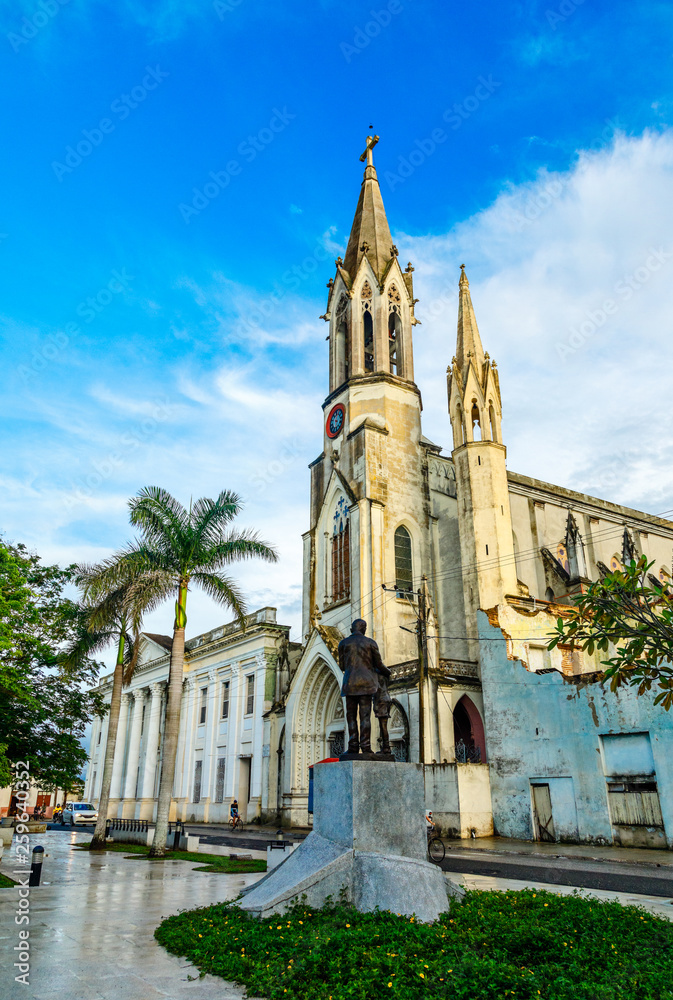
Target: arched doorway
{"points": [[468, 733], [398, 730], [318, 720]]}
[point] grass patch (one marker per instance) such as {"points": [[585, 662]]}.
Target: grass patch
{"points": [[207, 862], [527, 945], [6, 882]]}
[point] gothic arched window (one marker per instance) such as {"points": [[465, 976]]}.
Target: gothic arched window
{"points": [[341, 562], [475, 417], [404, 576], [368, 326], [394, 330]]}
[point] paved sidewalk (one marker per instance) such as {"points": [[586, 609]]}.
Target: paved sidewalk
{"points": [[92, 922], [594, 852]]}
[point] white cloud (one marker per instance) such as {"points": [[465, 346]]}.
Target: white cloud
{"points": [[543, 260]]}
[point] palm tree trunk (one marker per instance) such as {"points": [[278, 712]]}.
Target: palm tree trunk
{"points": [[172, 727], [98, 841]]}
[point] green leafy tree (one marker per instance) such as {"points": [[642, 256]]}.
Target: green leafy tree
{"points": [[114, 618], [45, 706], [178, 549], [628, 617]]}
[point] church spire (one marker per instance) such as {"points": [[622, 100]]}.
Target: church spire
{"points": [[468, 345], [370, 232]]}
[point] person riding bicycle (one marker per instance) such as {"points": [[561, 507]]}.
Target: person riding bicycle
{"points": [[233, 812], [430, 823]]}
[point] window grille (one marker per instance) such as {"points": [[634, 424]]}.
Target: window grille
{"points": [[225, 700], [250, 700], [404, 577], [219, 780], [198, 768], [341, 570], [204, 706]]}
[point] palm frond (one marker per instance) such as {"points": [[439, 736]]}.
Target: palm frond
{"points": [[223, 590], [208, 517], [238, 545], [161, 518], [152, 589]]}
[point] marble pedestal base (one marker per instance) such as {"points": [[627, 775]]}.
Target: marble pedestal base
{"points": [[368, 846]]}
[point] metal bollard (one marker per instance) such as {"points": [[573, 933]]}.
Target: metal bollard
{"points": [[36, 867]]}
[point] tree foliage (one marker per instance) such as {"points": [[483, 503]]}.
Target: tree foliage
{"points": [[628, 617], [178, 548], [44, 704]]}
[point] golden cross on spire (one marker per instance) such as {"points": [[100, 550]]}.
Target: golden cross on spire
{"points": [[368, 155]]}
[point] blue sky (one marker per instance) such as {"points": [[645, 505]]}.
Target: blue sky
{"points": [[201, 362]]}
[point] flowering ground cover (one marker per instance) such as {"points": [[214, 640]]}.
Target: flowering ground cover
{"points": [[521, 945]]}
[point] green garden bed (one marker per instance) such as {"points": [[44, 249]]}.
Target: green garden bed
{"points": [[528, 945], [6, 882], [206, 862]]}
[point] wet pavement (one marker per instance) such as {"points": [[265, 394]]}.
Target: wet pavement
{"points": [[92, 921], [93, 917]]}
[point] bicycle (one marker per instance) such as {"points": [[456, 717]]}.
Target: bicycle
{"points": [[234, 821], [436, 849]]}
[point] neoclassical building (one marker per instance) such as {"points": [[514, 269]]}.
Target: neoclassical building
{"points": [[515, 738], [230, 678]]}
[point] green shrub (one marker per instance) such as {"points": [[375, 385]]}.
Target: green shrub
{"points": [[207, 862], [514, 945]]}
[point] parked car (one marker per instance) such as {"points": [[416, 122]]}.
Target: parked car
{"points": [[78, 813]]}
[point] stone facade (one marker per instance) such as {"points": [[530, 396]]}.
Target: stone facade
{"points": [[230, 678], [502, 553]]}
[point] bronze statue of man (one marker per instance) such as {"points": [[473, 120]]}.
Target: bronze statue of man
{"points": [[360, 660]]}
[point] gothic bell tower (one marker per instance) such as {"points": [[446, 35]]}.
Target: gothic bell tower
{"points": [[369, 479], [485, 524]]}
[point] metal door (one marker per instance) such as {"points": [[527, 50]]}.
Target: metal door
{"points": [[544, 821]]}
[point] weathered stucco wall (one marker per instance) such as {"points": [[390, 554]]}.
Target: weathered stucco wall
{"points": [[540, 726], [459, 797]]}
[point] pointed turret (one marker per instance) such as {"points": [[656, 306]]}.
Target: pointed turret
{"points": [[370, 232], [468, 345]]}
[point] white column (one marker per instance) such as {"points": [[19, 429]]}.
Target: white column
{"points": [[210, 742], [258, 727], [134, 747], [235, 708], [88, 785], [190, 737], [116, 785], [180, 755], [146, 790]]}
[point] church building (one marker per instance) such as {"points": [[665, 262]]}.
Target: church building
{"points": [[460, 568]]}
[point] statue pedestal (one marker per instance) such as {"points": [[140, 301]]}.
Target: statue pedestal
{"points": [[368, 846]]}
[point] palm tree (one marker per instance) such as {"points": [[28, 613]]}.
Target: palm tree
{"points": [[179, 548], [106, 618]]}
